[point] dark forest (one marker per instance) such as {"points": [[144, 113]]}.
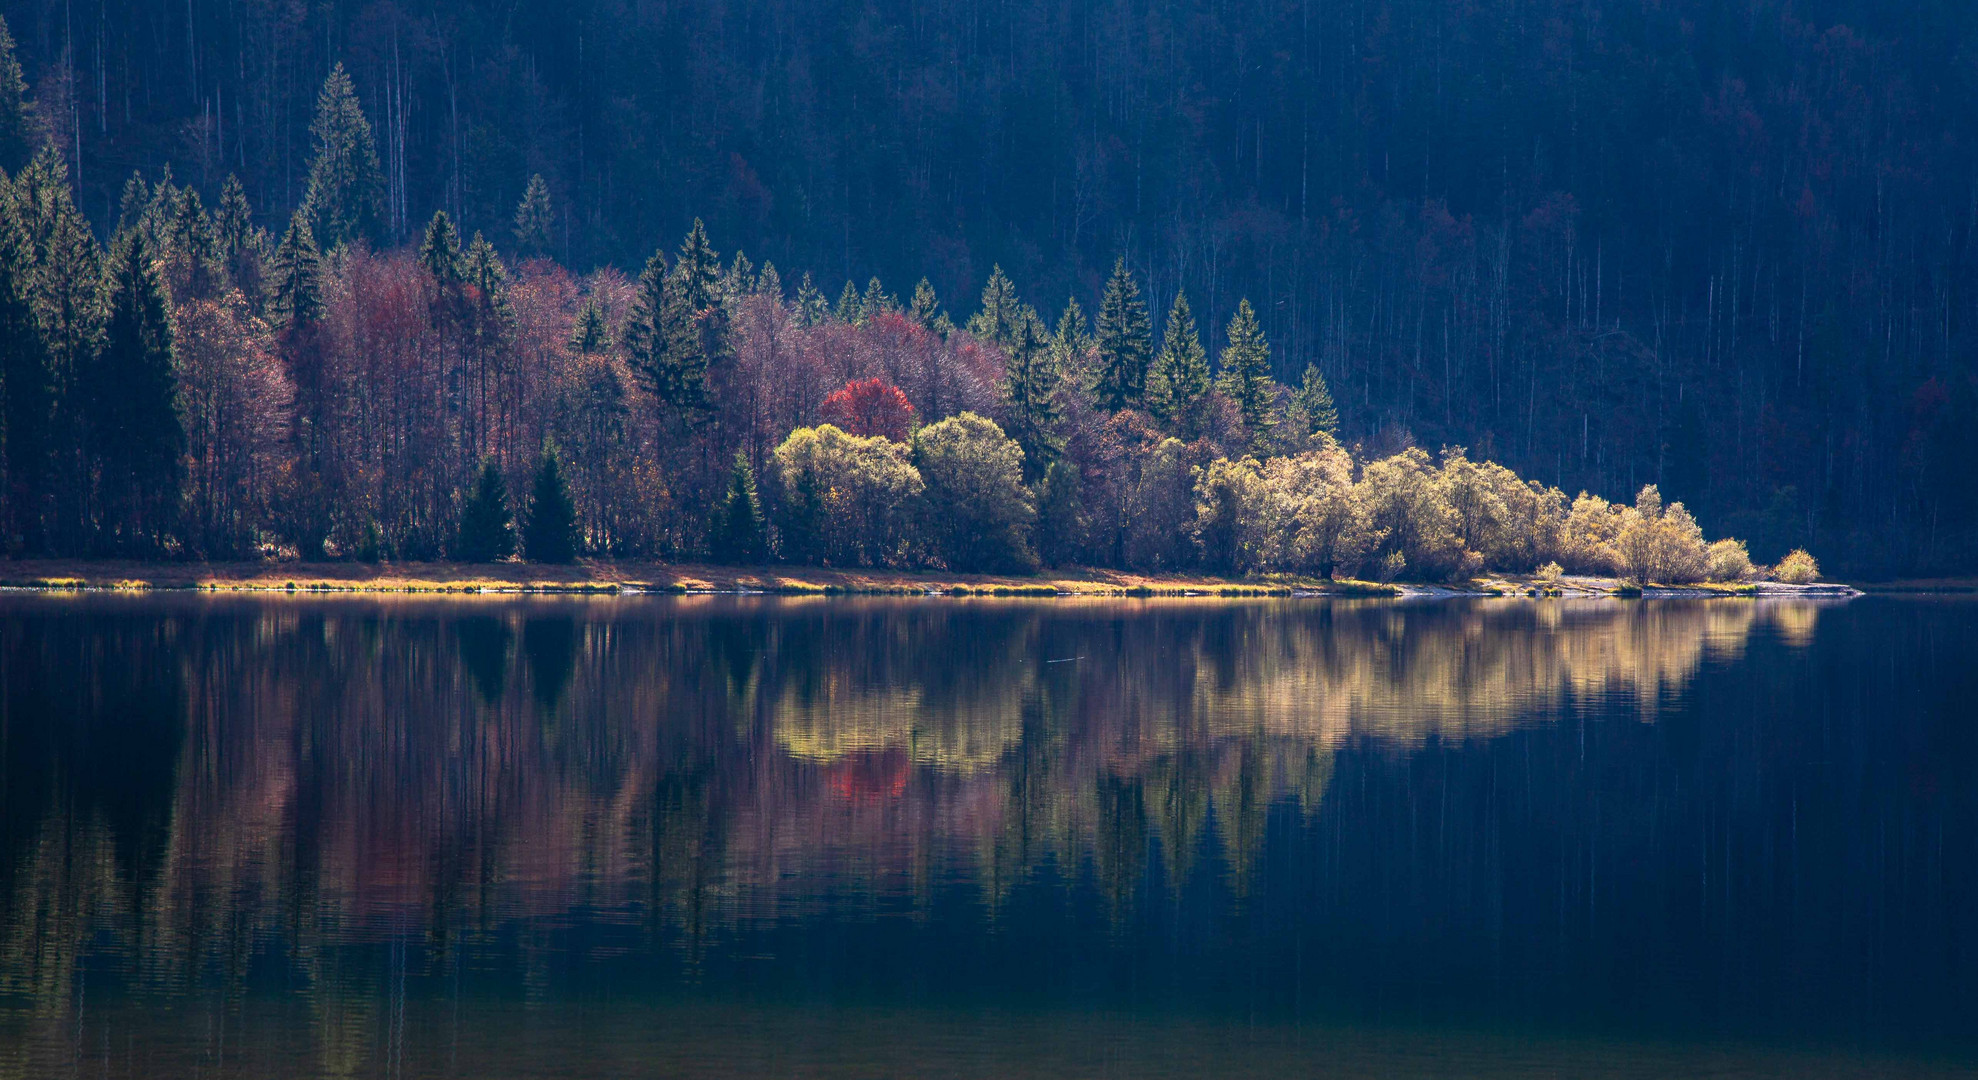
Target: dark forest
{"points": [[356, 279]]}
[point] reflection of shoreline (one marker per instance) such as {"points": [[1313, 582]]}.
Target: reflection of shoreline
{"points": [[334, 773]]}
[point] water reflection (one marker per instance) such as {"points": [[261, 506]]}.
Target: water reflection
{"points": [[1570, 808]]}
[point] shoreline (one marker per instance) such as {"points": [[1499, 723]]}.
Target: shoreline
{"points": [[609, 577]]}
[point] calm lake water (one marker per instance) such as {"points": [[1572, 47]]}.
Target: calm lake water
{"points": [[846, 837]]}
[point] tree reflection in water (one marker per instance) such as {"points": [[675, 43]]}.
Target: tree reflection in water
{"points": [[1580, 810]]}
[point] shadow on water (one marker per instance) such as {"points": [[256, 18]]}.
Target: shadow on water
{"points": [[1490, 825]]}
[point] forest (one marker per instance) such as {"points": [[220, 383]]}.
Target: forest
{"points": [[286, 281]]}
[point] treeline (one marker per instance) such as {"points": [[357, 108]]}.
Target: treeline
{"points": [[1722, 246], [200, 387]]}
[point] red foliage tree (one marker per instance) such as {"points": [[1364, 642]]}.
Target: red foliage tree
{"points": [[870, 407]]}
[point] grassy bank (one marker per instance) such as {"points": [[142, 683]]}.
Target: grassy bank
{"points": [[606, 576]]}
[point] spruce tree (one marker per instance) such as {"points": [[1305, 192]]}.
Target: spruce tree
{"points": [[27, 380], [295, 277], [1314, 403], [589, 335], [739, 281], [68, 287], [1126, 342], [487, 533], [242, 247], [699, 270], [16, 114], [134, 424], [439, 251], [1002, 314], [1060, 524], [1071, 345], [1246, 369], [803, 521], [534, 218], [346, 187], [848, 310], [663, 342], [812, 308], [1030, 383], [482, 268], [551, 533], [876, 300], [925, 307], [1179, 380], [192, 250], [769, 283], [737, 536]]}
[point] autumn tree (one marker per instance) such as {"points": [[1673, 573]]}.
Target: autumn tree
{"points": [[870, 407], [976, 504]]}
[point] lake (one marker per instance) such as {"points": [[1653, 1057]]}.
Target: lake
{"points": [[741, 836]]}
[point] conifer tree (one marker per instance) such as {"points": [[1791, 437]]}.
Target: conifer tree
{"points": [[1246, 369], [439, 251], [876, 300], [551, 533], [27, 381], [1179, 380], [295, 277], [739, 281], [589, 335], [699, 270], [192, 250], [770, 283], [663, 342], [242, 247], [1126, 342], [925, 307], [848, 311], [1071, 345], [487, 531], [1002, 316], [16, 114], [738, 536], [67, 285], [1060, 514], [346, 186], [1030, 383], [1314, 404], [812, 308], [135, 428], [482, 268], [803, 521], [133, 204], [534, 219]]}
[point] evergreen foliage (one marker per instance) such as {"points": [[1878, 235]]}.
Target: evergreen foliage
{"points": [[1178, 384], [1030, 385], [1313, 401], [135, 429], [345, 192], [27, 381], [925, 307], [17, 134], [534, 219], [1002, 316], [1125, 341], [550, 536], [739, 536], [487, 531], [1246, 369]]}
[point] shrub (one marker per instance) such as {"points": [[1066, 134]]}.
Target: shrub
{"points": [[1550, 573], [1797, 568], [1728, 561]]}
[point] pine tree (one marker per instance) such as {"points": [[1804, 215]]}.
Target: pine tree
{"points": [[876, 300], [346, 186], [1002, 314], [1060, 525], [1314, 404], [1030, 383], [242, 247], [551, 533], [1126, 342], [848, 311], [1246, 369], [439, 251], [487, 534], [1179, 380], [192, 250], [738, 536], [699, 270], [589, 335], [295, 277], [925, 307], [27, 380], [534, 219], [16, 114], [134, 423], [1071, 345], [812, 308]]}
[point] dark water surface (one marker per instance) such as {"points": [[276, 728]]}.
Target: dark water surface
{"points": [[738, 836]]}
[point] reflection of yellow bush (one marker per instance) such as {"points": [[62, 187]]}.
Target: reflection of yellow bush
{"points": [[827, 724]]}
